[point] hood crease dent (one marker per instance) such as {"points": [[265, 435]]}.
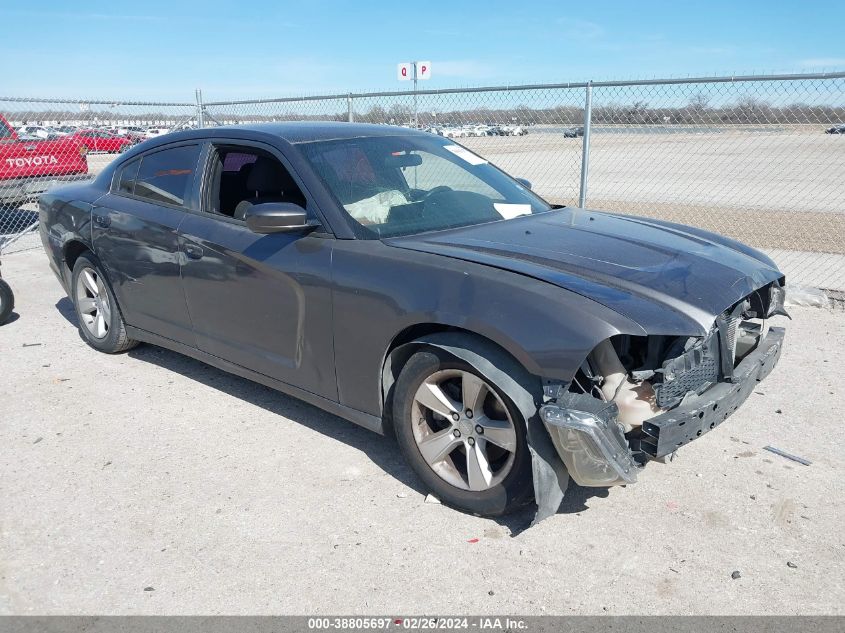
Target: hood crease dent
{"points": [[669, 279]]}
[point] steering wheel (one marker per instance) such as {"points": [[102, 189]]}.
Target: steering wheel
{"points": [[431, 192]]}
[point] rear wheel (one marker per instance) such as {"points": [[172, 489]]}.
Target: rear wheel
{"points": [[97, 312], [462, 435], [7, 302]]}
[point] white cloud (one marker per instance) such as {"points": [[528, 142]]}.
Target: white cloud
{"points": [[823, 62]]}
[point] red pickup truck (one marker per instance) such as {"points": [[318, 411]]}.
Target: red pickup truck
{"points": [[28, 167]]}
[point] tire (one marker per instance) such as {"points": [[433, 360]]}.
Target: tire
{"points": [[98, 315], [506, 482], [7, 302]]}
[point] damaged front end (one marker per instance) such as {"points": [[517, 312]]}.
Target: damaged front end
{"points": [[639, 398]]}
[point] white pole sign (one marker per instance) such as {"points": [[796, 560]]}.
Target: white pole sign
{"points": [[405, 71], [423, 70]]}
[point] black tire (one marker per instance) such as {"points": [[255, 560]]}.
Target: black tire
{"points": [[7, 302], [514, 491], [115, 340]]}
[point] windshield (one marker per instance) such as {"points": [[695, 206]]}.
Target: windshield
{"points": [[399, 185], [5, 130]]}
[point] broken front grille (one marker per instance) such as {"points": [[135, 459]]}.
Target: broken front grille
{"points": [[693, 371]]}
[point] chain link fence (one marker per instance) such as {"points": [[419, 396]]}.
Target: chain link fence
{"points": [[760, 158], [49, 142]]}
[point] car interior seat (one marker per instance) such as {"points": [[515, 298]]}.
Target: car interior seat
{"points": [[233, 188], [268, 181]]}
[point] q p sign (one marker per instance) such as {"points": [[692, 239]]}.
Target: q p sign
{"points": [[405, 70]]}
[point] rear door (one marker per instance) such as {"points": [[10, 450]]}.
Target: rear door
{"points": [[260, 301], [135, 237]]}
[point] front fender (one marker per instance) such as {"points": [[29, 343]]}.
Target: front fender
{"points": [[380, 293]]}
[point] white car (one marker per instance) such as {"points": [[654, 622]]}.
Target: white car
{"points": [[454, 132], [66, 130], [130, 129], [152, 132], [38, 131]]}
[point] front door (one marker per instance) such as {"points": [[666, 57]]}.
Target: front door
{"points": [[260, 301]]}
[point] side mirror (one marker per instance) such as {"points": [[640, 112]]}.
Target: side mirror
{"points": [[525, 183], [277, 217]]}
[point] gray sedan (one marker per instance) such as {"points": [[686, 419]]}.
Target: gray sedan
{"points": [[399, 280]]}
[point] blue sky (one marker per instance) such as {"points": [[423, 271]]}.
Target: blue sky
{"points": [[163, 50]]}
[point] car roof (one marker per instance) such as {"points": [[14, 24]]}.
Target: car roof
{"points": [[303, 131]]}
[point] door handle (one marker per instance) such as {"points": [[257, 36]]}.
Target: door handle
{"points": [[193, 252], [102, 220]]}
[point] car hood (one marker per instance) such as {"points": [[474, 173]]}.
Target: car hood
{"points": [[668, 278]]}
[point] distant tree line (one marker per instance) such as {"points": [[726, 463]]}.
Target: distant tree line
{"points": [[697, 111]]}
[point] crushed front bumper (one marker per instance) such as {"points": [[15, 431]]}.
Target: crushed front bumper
{"points": [[696, 415], [591, 443]]}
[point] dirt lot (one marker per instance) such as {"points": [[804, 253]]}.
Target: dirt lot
{"points": [[150, 483]]}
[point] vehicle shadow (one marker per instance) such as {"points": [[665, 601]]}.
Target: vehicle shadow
{"points": [[383, 451]]}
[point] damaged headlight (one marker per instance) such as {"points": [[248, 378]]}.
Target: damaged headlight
{"points": [[594, 449]]}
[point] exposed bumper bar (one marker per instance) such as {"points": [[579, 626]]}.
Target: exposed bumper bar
{"points": [[596, 453], [696, 415]]}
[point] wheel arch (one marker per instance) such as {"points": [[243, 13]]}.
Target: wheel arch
{"points": [[71, 251], [415, 337]]}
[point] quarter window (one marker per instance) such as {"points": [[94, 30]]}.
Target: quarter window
{"points": [[126, 176], [167, 176]]}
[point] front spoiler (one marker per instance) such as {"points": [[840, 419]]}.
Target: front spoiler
{"points": [[596, 453]]}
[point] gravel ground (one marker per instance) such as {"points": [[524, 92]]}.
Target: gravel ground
{"points": [[150, 483]]}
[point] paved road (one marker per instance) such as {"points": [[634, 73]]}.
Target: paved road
{"points": [[150, 470]]}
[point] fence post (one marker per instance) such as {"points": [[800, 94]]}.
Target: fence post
{"points": [[350, 112], [585, 150], [200, 110]]}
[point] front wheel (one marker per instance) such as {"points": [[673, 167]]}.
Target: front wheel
{"points": [[462, 435], [97, 312], [7, 301]]}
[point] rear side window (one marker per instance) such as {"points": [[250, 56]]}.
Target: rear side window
{"points": [[235, 160], [167, 176], [126, 176]]}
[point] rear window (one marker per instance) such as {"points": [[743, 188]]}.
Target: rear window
{"points": [[167, 176]]}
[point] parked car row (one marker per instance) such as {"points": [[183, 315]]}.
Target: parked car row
{"points": [[464, 131], [131, 133]]}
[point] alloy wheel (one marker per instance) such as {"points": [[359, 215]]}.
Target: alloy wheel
{"points": [[92, 301], [463, 430]]}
